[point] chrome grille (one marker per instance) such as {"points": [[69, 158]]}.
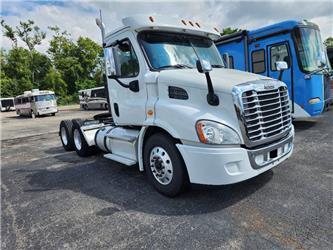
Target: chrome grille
{"points": [[266, 113]]}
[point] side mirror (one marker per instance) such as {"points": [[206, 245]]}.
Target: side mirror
{"points": [[111, 64], [321, 60], [204, 66], [281, 65]]}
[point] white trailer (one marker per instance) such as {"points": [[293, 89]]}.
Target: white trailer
{"points": [[7, 104], [94, 98], [178, 113]]}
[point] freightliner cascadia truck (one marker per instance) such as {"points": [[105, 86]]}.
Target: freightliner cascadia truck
{"points": [[178, 114]]}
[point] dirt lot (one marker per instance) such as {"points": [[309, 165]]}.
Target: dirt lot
{"points": [[53, 199]]}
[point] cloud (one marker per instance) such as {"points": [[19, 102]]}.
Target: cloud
{"points": [[77, 17]]}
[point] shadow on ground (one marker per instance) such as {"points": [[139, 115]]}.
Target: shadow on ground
{"points": [[125, 188]]}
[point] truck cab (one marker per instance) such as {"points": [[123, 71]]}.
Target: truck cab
{"points": [[178, 113], [299, 44]]}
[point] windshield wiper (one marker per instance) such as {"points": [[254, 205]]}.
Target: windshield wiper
{"points": [[217, 66], [177, 66]]}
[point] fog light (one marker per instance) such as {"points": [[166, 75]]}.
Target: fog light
{"points": [[314, 100]]}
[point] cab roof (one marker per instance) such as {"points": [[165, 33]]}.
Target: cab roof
{"points": [[164, 23], [279, 27]]}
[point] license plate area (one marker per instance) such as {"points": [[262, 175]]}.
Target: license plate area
{"points": [[273, 154]]}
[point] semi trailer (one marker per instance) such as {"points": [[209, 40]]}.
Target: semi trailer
{"points": [[299, 44], [176, 111]]}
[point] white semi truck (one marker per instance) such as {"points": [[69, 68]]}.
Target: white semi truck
{"points": [[178, 113]]}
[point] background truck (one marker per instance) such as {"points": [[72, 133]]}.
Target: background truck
{"points": [[297, 43], [94, 98], [35, 103], [7, 104], [178, 113]]}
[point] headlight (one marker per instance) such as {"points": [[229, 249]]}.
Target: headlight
{"points": [[210, 132]]}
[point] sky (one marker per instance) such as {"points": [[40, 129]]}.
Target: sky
{"points": [[78, 17]]}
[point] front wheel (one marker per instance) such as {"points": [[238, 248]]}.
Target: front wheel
{"points": [[33, 115], [164, 165]]}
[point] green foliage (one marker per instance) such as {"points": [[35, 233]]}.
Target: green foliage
{"points": [[329, 42], [67, 67], [229, 30]]}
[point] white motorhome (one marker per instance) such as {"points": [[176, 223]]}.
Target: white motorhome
{"points": [[178, 113], [94, 98], [7, 104], [35, 103]]}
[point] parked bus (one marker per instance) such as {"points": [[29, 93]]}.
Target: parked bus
{"points": [[7, 104], [297, 43], [94, 98], [35, 103]]}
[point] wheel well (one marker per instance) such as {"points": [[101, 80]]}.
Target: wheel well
{"points": [[154, 130]]}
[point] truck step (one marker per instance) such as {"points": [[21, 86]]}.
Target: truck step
{"points": [[120, 159]]}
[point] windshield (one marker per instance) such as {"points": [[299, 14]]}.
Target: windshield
{"points": [[48, 97], [310, 48], [178, 50]]}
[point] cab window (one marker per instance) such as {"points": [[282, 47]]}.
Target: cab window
{"points": [[279, 53], [127, 60]]}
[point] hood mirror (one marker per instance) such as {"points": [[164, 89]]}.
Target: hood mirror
{"points": [[281, 66], [204, 66]]}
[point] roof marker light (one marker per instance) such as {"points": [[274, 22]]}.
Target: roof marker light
{"points": [[191, 23], [216, 30], [183, 21], [151, 19], [198, 24]]}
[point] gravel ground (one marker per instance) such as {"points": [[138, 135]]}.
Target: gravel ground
{"points": [[53, 199]]}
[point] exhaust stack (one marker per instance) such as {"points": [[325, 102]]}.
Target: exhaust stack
{"points": [[100, 24]]}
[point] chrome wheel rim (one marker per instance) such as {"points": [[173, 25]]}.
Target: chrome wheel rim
{"points": [[161, 165], [64, 135], [77, 139]]}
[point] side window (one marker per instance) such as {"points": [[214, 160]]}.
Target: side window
{"points": [[93, 93], [127, 60], [279, 53], [258, 61]]}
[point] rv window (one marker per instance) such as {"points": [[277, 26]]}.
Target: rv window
{"points": [[98, 93], [258, 61], [279, 53], [127, 60]]}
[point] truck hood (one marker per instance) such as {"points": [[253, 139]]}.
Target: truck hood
{"points": [[223, 79]]}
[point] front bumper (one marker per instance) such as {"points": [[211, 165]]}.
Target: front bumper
{"points": [[45, 111], [221, 166]]}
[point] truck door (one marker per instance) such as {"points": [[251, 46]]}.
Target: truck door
{"points": [[281, 52], [128, 107]]}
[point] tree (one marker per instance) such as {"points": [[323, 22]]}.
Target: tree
{"points": [[9, 32], [329, 42], [31, 35], [53, 81], [229, 30]]}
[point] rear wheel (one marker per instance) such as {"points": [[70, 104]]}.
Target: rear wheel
{"points": [[66, 137], [81, 146], [33, 115], [164, 165]]}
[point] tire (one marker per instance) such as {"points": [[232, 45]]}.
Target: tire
{"points": [[53, 114], [66, 134], [80, 145], [32, 114], [164, 165]]}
